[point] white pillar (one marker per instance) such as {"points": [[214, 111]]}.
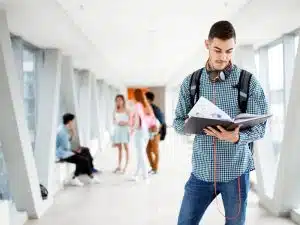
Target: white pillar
{"points": [[49, 81], [14, 133], [288, 63], [95, 107], [69, 92], [85, 94], [287, 186]]}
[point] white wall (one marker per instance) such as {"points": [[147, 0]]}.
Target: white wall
{"points": [[160, 97]]}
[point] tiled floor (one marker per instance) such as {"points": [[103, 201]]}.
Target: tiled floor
{"points": [[118, 201]]}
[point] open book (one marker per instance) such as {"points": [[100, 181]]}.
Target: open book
{"points": [[205, 114]]}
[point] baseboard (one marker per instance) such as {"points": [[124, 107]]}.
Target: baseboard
{"points": [[295, 216], [4, 212], [268, 204], [16, 217]]}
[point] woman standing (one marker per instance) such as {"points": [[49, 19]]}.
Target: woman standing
{"points": [[121, 131], [144, 124]]}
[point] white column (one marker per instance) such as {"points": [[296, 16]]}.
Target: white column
{"points": [[49, 81], [69, 92], [102, 110], [14, 133], [95, 110], [85, 95], [287, 188], [288, 63]]}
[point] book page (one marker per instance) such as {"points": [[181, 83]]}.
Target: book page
{"points": [[246, 116], [249, 117], [206, 109]]}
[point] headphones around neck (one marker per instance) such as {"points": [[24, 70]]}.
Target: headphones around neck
{"points": [[218, 75]]}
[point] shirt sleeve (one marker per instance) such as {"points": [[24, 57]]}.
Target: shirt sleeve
{"points": [[183, 106], [257, 104]]}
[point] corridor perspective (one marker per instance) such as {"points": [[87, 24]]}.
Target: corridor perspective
{"points": [[98, 106]]}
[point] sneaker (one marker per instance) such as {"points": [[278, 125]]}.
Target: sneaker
{"points": [[96, 171], [94, 180], [76, 182]]}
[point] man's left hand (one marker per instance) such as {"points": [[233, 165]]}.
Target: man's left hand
{"points": [[222, 134], [78, 150]]}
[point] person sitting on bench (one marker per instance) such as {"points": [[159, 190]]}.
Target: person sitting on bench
{"points": [[81, 156]]}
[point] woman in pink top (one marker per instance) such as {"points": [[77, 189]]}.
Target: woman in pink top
{"points": [[144, 122]]}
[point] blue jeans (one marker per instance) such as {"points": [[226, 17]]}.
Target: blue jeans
{"points": [[199, 194]]}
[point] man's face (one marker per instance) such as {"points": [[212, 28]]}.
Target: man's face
{"points": [[220, 52], [71, 125]]}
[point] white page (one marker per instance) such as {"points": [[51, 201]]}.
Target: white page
{"points": [[206, 109]]}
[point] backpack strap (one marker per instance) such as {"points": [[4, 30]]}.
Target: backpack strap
{"points": [[194, 86], [243, 95], [243, 90]]}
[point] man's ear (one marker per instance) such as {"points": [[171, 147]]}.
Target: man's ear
{"points": [[207, 43]]}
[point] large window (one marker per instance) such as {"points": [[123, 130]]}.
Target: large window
{"points": [[296, 44], [276, 76], [29, 78]]}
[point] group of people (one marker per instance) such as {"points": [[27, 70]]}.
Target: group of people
{"points": [[146, 124]]}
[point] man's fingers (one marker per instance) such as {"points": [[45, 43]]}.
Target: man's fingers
{"points": [[221, 128], [237, 129], [208, 132], [214, 132]]}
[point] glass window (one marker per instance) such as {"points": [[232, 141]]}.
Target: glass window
{"points": [[29, 77], [296, 44], [4, 186], [275, 56], [277, 105], [257, 63]]}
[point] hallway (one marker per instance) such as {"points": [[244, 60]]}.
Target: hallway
{"points": [[118, 201]]}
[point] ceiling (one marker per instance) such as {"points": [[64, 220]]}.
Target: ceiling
{"points": [[147, 43]]}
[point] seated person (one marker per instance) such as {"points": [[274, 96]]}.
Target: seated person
{"points": [[81, 156]]}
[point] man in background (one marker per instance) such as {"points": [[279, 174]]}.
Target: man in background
{"points": [[153, 144]]}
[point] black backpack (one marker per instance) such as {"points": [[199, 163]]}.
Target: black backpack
{"points": [[44, 192], [242, 86]]}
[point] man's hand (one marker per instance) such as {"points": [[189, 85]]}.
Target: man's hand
{"points": [[78, 150], [222, 134]]}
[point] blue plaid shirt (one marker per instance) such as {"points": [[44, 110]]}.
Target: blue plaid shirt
{"points": [[233, 160]]}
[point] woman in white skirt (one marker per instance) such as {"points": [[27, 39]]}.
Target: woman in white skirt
{"points": [[120, 137], [144, 123]]}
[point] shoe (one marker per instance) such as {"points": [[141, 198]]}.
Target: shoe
{"points": [[117, 170], [96, 171], [76, 182], [94, 180]]}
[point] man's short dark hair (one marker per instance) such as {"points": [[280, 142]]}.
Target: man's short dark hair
{"points": [[150, 96], [223, 30], [68, 117]]}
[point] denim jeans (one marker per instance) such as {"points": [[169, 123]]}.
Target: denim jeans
{"points": [[199, 194]]}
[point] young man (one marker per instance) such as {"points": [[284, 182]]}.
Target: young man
{"points": [[81, 156], [220, 156], [153, 144]]}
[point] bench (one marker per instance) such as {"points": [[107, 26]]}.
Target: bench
{"points": [[63, 171]]}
